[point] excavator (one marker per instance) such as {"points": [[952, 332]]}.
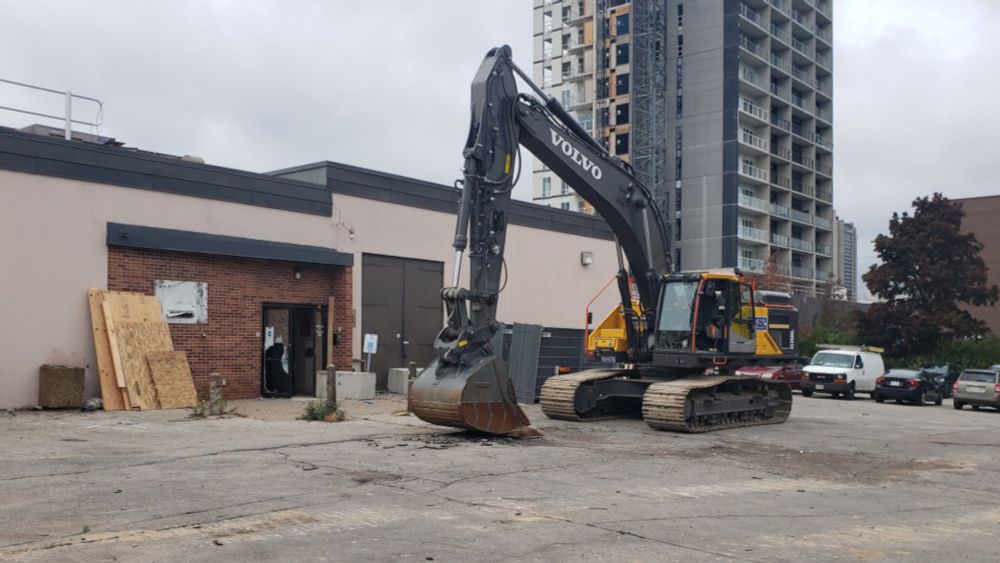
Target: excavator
{"points": [[686, 333]]}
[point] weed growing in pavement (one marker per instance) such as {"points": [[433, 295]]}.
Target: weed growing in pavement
{"points": [[325, 410], [203, 408]]}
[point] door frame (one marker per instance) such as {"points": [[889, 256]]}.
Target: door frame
{"points": [[324, 353]]}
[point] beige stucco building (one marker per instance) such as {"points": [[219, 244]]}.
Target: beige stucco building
{"points": [[78, 215]]}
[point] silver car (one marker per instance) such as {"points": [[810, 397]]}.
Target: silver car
{"points": [[977, 388]]}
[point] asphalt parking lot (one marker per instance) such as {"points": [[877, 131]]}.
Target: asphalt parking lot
{"points": [[839, 481]]}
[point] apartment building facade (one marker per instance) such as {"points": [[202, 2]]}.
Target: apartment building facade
{"points": [[746, 128], [846, 257]]}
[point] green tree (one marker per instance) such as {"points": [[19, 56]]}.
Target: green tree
{"points": [[929, 270]]}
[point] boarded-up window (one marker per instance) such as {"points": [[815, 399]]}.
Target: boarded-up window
{"points": [[183, 302]]}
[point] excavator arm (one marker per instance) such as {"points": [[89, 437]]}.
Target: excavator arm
{"points": [[467, 385]]}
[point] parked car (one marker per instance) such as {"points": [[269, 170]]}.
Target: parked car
{"points": [[944, 374], [844, 370], [977, 388], [791, 374], [913, 385]]}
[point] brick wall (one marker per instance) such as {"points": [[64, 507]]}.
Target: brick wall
{"points": [[237, 288]]}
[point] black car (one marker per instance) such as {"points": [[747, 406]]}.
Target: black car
{"points": [[915, 386], [944, 375]]}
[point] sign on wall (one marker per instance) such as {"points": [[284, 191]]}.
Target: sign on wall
{"points": [[183, 302]]}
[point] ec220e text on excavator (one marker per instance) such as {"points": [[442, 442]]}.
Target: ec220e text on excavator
{"points": [[686, 334]]}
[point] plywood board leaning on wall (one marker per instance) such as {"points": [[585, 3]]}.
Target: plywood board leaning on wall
{"points": [[111, 393], [172, 377], [135, 340]]}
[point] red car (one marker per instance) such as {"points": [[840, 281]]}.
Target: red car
{"points": [[792, 375]]}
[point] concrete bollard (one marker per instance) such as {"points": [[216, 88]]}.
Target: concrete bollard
{"points": [[215, 401], [409, 386]]}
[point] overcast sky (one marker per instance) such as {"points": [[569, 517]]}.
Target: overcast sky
{"points": [[385, 84]]}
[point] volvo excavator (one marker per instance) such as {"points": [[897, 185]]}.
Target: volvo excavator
{"points": [[686, 333]]}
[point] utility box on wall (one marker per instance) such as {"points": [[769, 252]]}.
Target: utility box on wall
{"points": [[183, 302]]}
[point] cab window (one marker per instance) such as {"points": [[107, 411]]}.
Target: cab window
{"points": [[858, 364]]}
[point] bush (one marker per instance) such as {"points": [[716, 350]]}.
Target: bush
{"points": [[326, 411], [962, 354]]}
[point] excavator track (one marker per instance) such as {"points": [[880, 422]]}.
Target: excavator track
{"points": [[686, 405], [558, 396]]}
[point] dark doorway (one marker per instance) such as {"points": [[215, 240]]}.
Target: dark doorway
{"points": [[294, 348], [401, 303]]}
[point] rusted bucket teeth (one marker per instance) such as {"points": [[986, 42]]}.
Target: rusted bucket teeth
{"points": [[479, 397]]}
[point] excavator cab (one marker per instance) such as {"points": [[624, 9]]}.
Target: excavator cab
{"points": [[707, 313]]}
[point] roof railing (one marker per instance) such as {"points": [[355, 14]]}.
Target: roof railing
{"points": [[67, 116]]}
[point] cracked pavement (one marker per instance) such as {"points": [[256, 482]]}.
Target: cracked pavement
{"points": [[839, 481]]}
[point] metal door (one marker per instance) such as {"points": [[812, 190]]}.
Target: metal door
{"points": [[401, 303]]}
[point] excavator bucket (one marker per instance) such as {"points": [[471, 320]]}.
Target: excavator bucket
{"points": [[478, 396]]}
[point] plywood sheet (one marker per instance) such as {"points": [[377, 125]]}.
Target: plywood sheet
{"points": [[137, 307], [172, 377], [135, 340], [111, 393]]}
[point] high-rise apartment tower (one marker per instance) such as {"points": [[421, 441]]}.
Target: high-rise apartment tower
{"points": [[724, 108]]}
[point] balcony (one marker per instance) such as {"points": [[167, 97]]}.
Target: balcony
{"points": [[780, 211], [779, 240], [824, 195], [750, 75], [803, 161], [824, 114], [752, 47], [803, 132], [753, 110], [824, 60], [782, 153], [779, 5], [751, 15], [751, 171], [783, 182], [753, 141], [800, 272], [801, 47], [802, 75], [781, 93], [825, 88], [800, 19], [799, 244], [781, 122], [754, 203], [801, 217], [824, 34], [824, 142], [824, 249], [799, 102], [824, 274], [803, 188], [575, 46], [753, 234], [751, 264], [823, 8], [780, 63], [577, 74], [823, 223], [779, 34], [825, 170]]}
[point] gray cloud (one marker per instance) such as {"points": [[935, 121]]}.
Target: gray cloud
{"points": [[263, 85]]}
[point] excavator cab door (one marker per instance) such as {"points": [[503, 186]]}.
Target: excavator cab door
{"points": [[741, 339]]}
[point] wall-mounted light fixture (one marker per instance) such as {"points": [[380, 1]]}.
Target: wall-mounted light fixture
{"points": [[298, 273], [586, 257]]}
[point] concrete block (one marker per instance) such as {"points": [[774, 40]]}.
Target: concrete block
{"points": [[321, 384], [355, 385], [399, 381], [60, 387]]}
